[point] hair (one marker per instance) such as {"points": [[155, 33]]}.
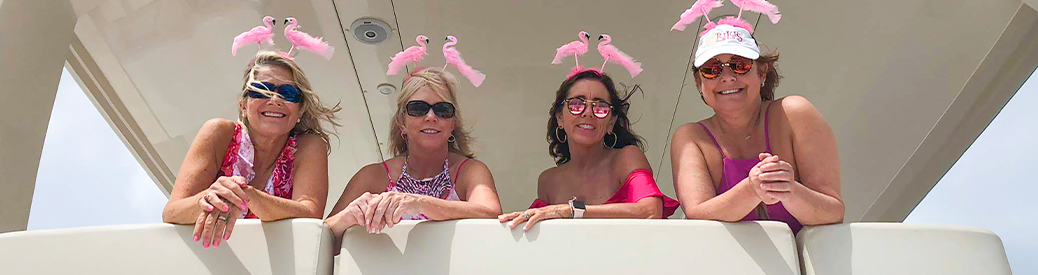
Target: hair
{"points": [[620, 101], [443, 84], [313, 111], [772, 77]]}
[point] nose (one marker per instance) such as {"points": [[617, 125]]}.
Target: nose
{"points": [[276, 100], [430, 116], [727, 75]]}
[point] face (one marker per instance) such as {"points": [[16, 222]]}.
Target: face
{"points": [[586, 128], [271, 116], [427, 130], [730, 90]]}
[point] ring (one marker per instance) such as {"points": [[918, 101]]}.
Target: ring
{"points": [[527, 215], [222, 218]]}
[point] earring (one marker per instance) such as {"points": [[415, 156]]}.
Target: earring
{"points": [[614, 140], [557, 136], [451, 139]]}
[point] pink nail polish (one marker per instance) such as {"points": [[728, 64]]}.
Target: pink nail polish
{"points": [[205, 245], [228, 237], [216, 244], [196, 239], [225, 208], [209, 208]]}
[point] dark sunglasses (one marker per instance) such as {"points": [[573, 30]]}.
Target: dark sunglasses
{"points": [[288, 92], [599, 108], [712, 68], [418, 108]]}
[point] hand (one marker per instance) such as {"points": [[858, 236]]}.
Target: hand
{"points": [[755, 178], [532, 216], [223, 191], [777, 179], [388, 208], [214, 226]]}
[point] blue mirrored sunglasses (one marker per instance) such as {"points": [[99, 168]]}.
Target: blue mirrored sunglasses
{"points": [[288, 92]]}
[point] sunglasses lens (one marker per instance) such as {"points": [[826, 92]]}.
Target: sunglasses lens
{"points": [[576, 106], [740, 65], [290, 93], [443, 109], [601, 110], [710, 69], [417, 108], [254, 94]]}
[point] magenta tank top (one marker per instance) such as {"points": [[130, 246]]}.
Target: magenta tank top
{"points": [[735, 170]]}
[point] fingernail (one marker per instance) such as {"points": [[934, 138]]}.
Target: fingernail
{"points": [[196, 239], [216, 244], [205, 245], [209, 208], [225, 208], [228, 237]]}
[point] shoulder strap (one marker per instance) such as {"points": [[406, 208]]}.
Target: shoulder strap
{"points": [[767, 136], [388, 174], [713, 139]]}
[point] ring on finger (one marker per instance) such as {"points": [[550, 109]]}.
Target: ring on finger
{"points": [[222, 218], [526, 215]]}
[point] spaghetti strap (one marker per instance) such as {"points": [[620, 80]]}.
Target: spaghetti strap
{"points": [[713, 139], [457, 174], [767, 135], [388, 174]]}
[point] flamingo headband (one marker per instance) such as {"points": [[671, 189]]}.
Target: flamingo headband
{"points": [[609, 52], [300, 40], [414, 54], [730, 35]]}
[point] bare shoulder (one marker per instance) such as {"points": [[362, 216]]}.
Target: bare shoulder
{"points": [[216, 128], [687, 133], [467, 165], [795, 107], [629, 159], [311, 144], [545, 183]]}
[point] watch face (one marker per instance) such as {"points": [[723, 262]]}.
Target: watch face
{"points": [[579, 205]]}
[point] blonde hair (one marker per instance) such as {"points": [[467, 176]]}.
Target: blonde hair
{"points": [[443, 84], [313, 111]]}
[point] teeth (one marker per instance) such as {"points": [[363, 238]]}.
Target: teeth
{"points": [[269, 114], [586, 126], [730, 92], [430, 131]]}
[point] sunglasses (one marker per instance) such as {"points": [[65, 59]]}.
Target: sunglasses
{"points": [[418, 108], [712, 68], [599, 108], [288, 92]]}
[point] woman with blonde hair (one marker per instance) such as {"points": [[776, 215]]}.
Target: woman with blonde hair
{"points": [[432, 175], [271, 164]]}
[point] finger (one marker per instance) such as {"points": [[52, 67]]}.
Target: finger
{"points": [[763, 156], [199, 223], [520, 219], [533, 220], [392, 213], [204, 203], [231, 220], [240, 181], [214, 199], [207, 228], [228, 195], [507, 217], [235, 188], [218, 229], [380, 211], [780, 175], [775, 186], [369, 212]]}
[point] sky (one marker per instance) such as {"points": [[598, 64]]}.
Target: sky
{"points": [[88, 177]]}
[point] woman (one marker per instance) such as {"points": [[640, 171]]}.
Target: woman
{"points": [[601, 170], [272, 164], [755, 149], [432, 175]]}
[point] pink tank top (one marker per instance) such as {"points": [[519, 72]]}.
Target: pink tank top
{"points": [[439, 186], [735, 170], [239, 160]]}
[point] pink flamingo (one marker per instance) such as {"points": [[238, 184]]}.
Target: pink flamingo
{"points": [[306, 42], [412, 54], [700, 8], [453, 57], [256, 35], [575, 48], [760, 6], [611, 53]]}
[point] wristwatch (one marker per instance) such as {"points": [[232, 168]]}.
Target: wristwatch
{"points": [[577, 208]]}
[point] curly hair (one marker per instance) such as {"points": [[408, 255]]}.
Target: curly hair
{"points": [[624, 135]]}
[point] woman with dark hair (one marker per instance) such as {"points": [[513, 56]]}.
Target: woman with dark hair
{"points": [[601, 170]]}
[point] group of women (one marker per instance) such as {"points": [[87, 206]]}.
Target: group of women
{"points": [[756, 158]]}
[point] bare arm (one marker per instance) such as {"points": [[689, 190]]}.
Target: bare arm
{"points": [[815, 199], [309, 190], [198, 171], [695, 188]]}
